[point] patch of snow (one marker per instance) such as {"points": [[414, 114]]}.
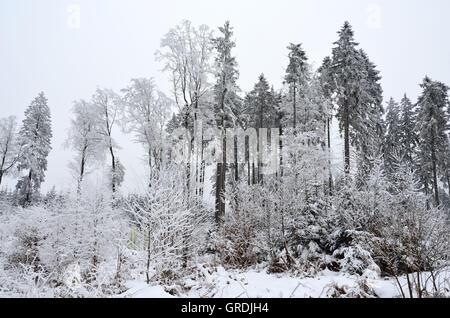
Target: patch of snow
{"points": [[139, 289], [221, 283]]}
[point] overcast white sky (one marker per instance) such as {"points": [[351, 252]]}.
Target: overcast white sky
{"points": [[42, 48]]}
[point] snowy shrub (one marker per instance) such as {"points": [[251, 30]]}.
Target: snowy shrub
{"points": [[26, 250], [245, 238], [353, 259], [170, 229], [308, 232], [26, 234], [85, 231], [360, 290], [418, 237], [237, 249]]}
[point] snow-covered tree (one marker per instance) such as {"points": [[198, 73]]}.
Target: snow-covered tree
{"points": [[408, 134], [327, 83], [358, 97], [393, 133], [433, 127], [347, 76], [108, 109], [48, 242], [413, 238], [445, 169], [85, 140], [186, 54], [261, 110], [169, 229], [371, 98], [9, 145], [297, 76], [146, 113], [227, 104], [34, 138]]}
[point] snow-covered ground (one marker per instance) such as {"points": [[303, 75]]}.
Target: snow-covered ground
{"points": [[220, 283]]}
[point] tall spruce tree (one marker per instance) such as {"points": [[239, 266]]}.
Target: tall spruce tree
{"points": [[433, 127], [326, 80], [446, 169], [408, 135], [372, 100], [327, 83], [226, 106], [358, 97], [347, 74], [261, 110], [297, 76], [35, 137], [393, 135]]}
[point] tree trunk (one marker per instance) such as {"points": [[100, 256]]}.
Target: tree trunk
{"points": [[448, 182], [435, 181], [202, 177], [202, 169], [330, 176], [221, 168], [1, 168], [259, 179], [426, 194], [248, 172], [28, 196], [346, 138], [197, 175], [223, 179], [113, 166], [220, 191], [295, 109], [188, 180], [195, 141], [82, 168], [236, 164], [218, 185], [253, 173], [147, 273], [150, 172], [433, 162], [281, 150], [188, 162]]}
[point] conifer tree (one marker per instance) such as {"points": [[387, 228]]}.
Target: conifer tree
{"points": [[297, 75], [226, 106], [432, 126], [35, 138], [358, 97], [408, 135], [372, 101], [261, 110], [347, 75], [393, 134]]}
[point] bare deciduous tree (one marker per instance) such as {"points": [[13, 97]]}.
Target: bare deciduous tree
{"points": [[146, 112], [9, 145]]}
